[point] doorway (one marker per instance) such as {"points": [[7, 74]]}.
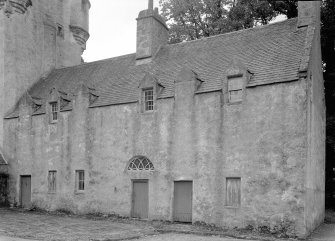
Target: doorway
{"points": [[183, 201], [25, 191], [140, 199]]}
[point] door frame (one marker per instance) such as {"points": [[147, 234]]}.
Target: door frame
{"points": [[132, 200], [174, 199], [23, 176]]}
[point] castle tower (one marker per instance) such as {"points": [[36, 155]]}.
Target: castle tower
{"points": [[37, 36]]}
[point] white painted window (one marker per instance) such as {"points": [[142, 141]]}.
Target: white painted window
{"points": [[235, 89], [148, 95], [80, 180], [54, 111], [233, 191], [52, 181]]}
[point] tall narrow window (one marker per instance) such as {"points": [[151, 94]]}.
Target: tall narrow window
{"points": [[52, 181], [233, 192], [148, 99], [80, 180], [235, 89], [54, 111]]}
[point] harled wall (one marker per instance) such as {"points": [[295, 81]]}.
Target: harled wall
{"points": [[199, 137]]}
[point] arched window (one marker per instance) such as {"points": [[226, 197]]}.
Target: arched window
{"points": [[140, 163]]}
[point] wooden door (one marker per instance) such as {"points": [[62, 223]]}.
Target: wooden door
{"points": [[183, 201], [25, 191], [140, 199]]}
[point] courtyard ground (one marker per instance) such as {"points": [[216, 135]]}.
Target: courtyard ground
{"points": [[19, 225]]}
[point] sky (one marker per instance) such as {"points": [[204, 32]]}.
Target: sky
{"points": [[113, 28]]}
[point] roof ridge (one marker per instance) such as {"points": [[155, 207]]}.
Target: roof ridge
{"points": [[236, 32], [96, 61]]}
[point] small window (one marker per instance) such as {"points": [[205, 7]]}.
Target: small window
{"points": [[80, 180], [54, 111], [52, 181], [235, 89], [233, 192], [148, 99], [60, 31]]}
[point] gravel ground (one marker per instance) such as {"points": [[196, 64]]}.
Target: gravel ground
{"points": [[186, 237], [39, 226]]}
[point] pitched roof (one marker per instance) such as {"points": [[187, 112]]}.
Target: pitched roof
{"points": [[272, 53]]}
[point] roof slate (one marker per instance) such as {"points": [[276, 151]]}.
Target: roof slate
{"points": [[272, 53]]}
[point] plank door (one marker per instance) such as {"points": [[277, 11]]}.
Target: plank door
{"points": [[183, 201], [25, 191], [140, 199]]}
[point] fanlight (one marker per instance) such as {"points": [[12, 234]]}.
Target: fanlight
{"points": [[140, 163]]}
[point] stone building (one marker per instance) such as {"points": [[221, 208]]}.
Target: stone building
{"points": [[227, 130]]}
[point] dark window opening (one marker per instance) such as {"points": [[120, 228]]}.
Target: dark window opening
{"points": [[80, 180], [54, 111]]}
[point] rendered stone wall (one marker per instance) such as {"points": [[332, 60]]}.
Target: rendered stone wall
{"points": [[202, 138], [315, 168]]}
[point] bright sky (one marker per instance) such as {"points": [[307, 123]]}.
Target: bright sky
{"points": [[113, 28]]}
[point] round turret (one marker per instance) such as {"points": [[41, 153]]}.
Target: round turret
{"points": [[80, 20]]}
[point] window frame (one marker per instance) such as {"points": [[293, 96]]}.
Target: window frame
{"points": [[52, 185], [78, 187], [232, 89], [54, 111], [148, 102]]}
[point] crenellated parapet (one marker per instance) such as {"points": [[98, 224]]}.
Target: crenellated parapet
{"points": [[11, 6], [80, 35]]}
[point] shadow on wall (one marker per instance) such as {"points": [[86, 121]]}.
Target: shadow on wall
{"points": [[4, 190]]}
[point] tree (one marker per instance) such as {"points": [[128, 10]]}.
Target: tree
{"points": [[194, 19]]}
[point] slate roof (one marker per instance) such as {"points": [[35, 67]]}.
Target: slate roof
{"points": [[272, 53]]}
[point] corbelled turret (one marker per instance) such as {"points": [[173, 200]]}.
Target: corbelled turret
{"points": [[48, 34], [79, 21]]}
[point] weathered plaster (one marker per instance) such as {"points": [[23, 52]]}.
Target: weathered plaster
{"points": [[200, 137]]}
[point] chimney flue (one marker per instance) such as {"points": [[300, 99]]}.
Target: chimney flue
{"points": [[151, 4]]}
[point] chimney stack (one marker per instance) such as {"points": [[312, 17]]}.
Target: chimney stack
{"points": [[152, 33], [308, 13], [151, 4]]}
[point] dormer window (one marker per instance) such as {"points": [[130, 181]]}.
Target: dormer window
{"points": [[235, 89], [54, 112], [148, 95]]}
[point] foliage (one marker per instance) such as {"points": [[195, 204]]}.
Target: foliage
{"points": [[194, 19]]}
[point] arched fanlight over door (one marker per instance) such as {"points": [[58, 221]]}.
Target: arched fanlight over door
{"points": [[140, 163]]}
